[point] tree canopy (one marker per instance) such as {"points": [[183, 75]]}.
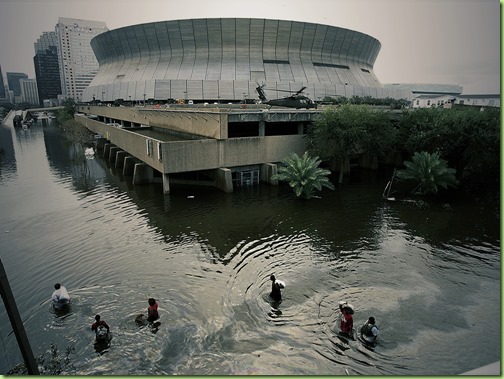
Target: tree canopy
{"points": [[303, 175]]}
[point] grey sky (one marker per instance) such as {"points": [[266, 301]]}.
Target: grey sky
{"points": [[423, 41]]}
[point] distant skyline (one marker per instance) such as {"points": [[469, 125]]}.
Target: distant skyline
{"points": [[423, 41]]}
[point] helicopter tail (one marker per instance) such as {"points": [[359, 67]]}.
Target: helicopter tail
{"points": [[260, 92]]}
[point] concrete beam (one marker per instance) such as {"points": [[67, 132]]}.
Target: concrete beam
{"points": [[142, 174], [113, 154], [119, 161], [129, 166], [225, 180]]}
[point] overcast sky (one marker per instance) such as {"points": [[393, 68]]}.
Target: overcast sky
{"points": [[423, 41]]}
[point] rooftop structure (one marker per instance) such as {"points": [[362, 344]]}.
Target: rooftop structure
{"points": [[426, 88], [224, 59]]}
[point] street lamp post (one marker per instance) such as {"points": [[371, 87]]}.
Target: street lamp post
{"points": [[144, 99], [130, 100], [103, 96]]}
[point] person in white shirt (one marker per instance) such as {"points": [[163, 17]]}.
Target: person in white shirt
{"points": [[60, 295]]}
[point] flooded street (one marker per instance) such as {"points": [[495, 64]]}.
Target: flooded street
{"points": [[430, 277]]}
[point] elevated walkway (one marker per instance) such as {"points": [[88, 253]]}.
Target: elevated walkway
{"points": [[194, 143]]}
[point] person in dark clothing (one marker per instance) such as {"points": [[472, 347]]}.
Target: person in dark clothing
{"points": [[369, 331], [276, 286], [152, 310], [101, 328]]}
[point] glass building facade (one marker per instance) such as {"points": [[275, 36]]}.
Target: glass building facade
{"points": [[47, 73], [226, 58]]}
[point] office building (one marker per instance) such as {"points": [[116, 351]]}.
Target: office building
{"points": [[29, 92], [47, 74], [45, 41], [13, 79], [77, 62]]}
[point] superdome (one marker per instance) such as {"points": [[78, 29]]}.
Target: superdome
{"points": [[224, 59]]}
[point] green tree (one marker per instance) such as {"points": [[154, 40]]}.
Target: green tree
{"points": [[429, 171], [303, 175], [469, 139], [339, 133], [68, 111]]}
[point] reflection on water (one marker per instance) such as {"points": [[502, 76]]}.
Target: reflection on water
{"points": [[430, 277]]}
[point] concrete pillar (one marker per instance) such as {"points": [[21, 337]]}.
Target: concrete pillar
{"points": [[267, 171], [300, 128], [129, 166], [225, 180], [166, 184], [142, 173], [112, 154], [106, 150], [262, 128], [119, 161], [100, 143], [17, 323]]}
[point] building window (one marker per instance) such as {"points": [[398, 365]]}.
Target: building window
{"points": [[363, 69], [330, 65], [274, 61], [428, 102], [149, 147], [160, 151]]}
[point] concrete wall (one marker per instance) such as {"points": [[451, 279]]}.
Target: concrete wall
{"points": [[211, 123], [209, 154], [133, 143]]}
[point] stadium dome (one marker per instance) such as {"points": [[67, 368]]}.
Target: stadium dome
{"points": [[224, 59]]}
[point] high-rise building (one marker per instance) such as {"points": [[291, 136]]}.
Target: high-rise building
{"points": [[45, 41], [77, 62], [13, 82], [2, 85], [29, 93], [47, 74]]}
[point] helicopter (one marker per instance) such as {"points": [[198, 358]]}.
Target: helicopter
{"points": [[295, 100]]}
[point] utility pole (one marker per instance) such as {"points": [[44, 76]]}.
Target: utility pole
{"points": [[17, 323]]}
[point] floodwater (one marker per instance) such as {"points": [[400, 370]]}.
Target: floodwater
{"points": [[430, 277]]}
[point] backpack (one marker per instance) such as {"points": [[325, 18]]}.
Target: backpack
{"points": [[101, 333]]}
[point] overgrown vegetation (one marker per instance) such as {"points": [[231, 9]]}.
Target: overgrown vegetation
{"points": [[429, 172], [56, 365], [367, 100], [67, 113], [77, 133], [466, 138], [339, 133], [303, 175]]}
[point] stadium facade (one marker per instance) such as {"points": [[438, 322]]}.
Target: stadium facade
{"points": [[224, 59]]}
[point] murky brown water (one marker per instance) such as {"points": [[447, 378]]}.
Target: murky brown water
{"points": [[430, 277]]}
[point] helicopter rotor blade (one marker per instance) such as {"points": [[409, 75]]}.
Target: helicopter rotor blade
{"points": [[301, 90]]}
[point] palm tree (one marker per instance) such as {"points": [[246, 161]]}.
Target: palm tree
{"points": [[429, 171], [304, 175]]}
